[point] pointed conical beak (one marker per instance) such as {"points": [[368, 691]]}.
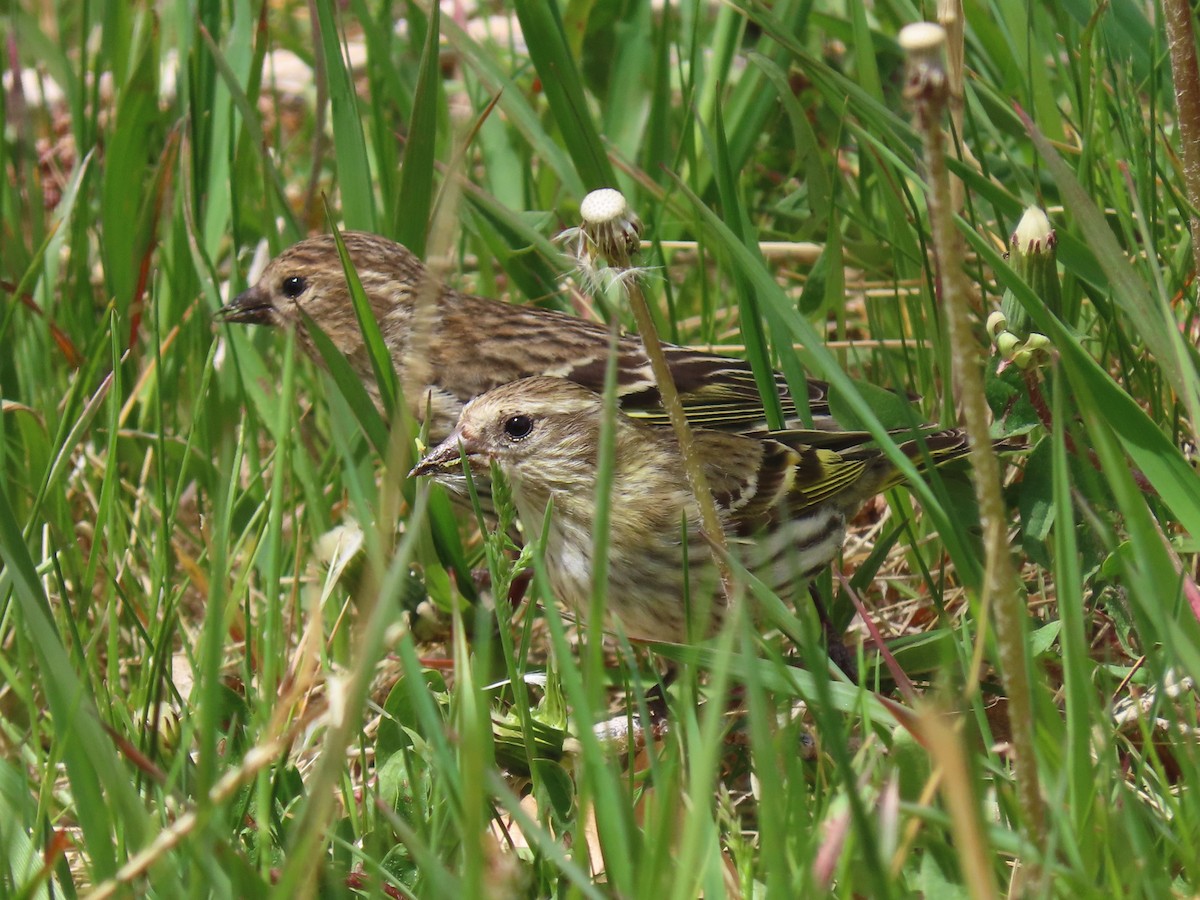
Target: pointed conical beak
{"points": [[251, 307], [445, 457]]}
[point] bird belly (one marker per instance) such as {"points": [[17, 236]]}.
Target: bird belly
{"points": [[644, 596], [656, 597], [653, 596]]}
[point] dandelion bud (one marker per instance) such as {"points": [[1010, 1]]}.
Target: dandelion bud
{"points": [[1036, 350], [996, 323], [1032, 254], [1008, 344]]}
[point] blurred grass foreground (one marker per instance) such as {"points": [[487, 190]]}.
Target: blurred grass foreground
{"points": [[243, 655]]}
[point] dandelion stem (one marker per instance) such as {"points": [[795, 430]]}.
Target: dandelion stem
{"points": [[611, 228], [710, 521], [1181, 41], [928, 88]]}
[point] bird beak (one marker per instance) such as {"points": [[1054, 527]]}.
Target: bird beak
{"points": [[251, 307], [445, 457]]}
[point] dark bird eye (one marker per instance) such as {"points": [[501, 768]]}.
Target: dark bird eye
{"points": [[294, 286], [517, 427]]}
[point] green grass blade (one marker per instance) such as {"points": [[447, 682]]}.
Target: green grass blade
{"points": [[411, 224], [749, 319], [354, 169], [100, 785], [542, 26]]}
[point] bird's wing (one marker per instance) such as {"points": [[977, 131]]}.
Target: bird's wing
{"points": [[754, 481], [717, 392]]}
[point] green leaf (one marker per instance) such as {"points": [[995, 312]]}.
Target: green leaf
{"points": [[542, 25], [1042, 639], [557, 788], [812, 296], [891, 409], [749, 316], [1036, 498], [126, 163], [400, 717], [354, 170], [517, 110], [415, 203]]}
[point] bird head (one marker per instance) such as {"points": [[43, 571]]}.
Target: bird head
{"points": [[541, 431], [308, 281]]}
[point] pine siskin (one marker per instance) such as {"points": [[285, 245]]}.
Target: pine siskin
{"points": [[463, 345], [784, 504]]}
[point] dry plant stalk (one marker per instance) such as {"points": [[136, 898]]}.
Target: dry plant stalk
{"points": [[927, 89], [1181, 41], [950, 17]]}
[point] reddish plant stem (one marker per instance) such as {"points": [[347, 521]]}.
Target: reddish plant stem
{"points": [[1181, 41]]}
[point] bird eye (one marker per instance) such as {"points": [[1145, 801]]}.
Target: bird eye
{"points": [[293, 286], [517, 427]]}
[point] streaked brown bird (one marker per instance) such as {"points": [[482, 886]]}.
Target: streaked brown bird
{"points": [[784, 504], [448, 347]]}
